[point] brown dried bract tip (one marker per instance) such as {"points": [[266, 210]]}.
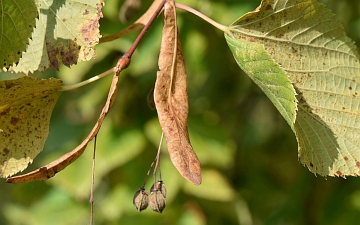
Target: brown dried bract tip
{"points": [[141, 200]]}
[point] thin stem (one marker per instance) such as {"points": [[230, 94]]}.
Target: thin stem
{"points": [[145, 29], [158, 155], [157, 164], [92, 185], [132, 28], [202, 16], [148, 173], [83, 83]]}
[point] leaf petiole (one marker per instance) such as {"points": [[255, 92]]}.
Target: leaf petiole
{"points": [[85, 82], [202, 16]]}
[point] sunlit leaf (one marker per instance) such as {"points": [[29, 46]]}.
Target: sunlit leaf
{"points": [[26, 105], [299, 41], [66, 33]]}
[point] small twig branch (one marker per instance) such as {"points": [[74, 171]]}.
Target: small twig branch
{"points": [[148, 173], [157, 164], [121, 33], [92, 184], [202, 16], [145, 29]]}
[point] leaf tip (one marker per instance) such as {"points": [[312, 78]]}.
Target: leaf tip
{"points": [[197, 179], [193, 173]]}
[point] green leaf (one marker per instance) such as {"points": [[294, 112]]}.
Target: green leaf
{"points": [[17, 20], [301, 40], [26, 105], [267, 74], [66, 33]]}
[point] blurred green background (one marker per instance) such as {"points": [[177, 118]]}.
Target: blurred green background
{"points": [[251, 174]]}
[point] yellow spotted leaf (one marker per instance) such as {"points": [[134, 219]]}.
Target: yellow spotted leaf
{"points": [[49, 170], [26, 105]]}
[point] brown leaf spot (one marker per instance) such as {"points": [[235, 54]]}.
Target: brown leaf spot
{"points": [[6, 151], [54, 61], [312, 165], [268, 7], [8, 85], [339, 173], [86, 12], [358, 164], [14, 120], [5, 112], [251, 39], [61, 54], [89, 30], [346, 158]]}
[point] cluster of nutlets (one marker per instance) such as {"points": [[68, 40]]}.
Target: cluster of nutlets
{"points": [[156, 200]]}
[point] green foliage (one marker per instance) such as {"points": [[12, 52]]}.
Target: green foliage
{"points": [[301, 43], [266, 73], [243, 143], [15, 36], [64, 32]]}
